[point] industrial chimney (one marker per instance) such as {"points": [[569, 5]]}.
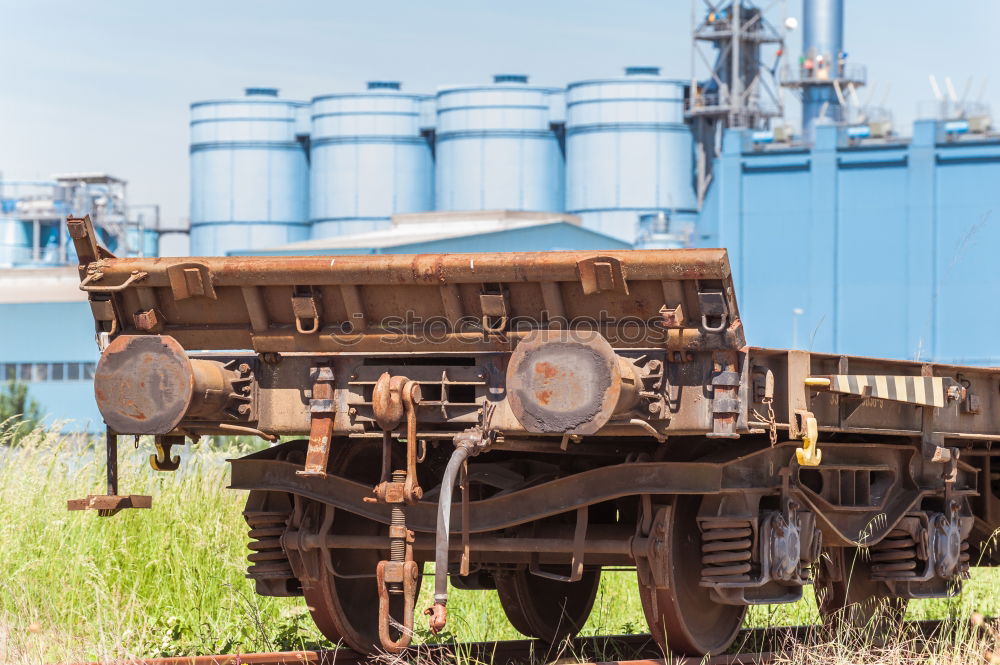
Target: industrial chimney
{"points": [[823, 74]]}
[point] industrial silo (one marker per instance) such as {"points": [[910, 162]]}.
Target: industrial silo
{"points": [[496, 148], [628, 152], [249, 174], [15, 241], [369, 160]]}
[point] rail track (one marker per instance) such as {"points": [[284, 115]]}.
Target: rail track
{"points": [[760, 647]]}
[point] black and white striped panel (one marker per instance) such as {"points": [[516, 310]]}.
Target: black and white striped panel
{"points": [[924, 390]]}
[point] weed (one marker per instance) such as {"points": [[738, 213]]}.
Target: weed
{"points": [[171, 580]]}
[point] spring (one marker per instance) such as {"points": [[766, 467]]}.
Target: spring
{"points": [[725, 550], [397, 546], [895, 556], [267, 558]]}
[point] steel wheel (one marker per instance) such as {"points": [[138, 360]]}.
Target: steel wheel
{"points": [[547, 609], [855, 603], [345, 609], [682, 617]]}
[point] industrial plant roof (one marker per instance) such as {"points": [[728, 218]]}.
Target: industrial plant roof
{"points": [[496, 230], [38, 285]]}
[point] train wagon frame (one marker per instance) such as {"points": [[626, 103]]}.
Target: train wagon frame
{"points": [[524, 419]]}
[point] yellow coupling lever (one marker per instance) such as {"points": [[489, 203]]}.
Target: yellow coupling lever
{"points": [[809, 454]]}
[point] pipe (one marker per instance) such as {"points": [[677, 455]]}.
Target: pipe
{"points": [[822, 45], [822, 28], [438, 611]]}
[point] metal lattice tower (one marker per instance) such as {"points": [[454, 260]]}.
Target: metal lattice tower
{"points": [[731, 85]]}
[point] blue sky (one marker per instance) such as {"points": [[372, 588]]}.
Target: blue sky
{"points": [[105, 85]]}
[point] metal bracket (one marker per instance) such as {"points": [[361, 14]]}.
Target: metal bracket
{"points": [[494, 309], [321, 410], [726, 402], [672, 317], [602, 274], [714, 312], [108, 504], [190, 280], [576, 564], [305, 308], [148, 320]]}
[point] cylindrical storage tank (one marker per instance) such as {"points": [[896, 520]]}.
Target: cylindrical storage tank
{"points": [[150, 242], [368, 160], [496, 149], [143, 241], [15, 241], [249, 174], [628, 151], [659, 231], [823, 29]]}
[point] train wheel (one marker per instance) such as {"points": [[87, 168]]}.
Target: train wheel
{"points": [[544, 608], [345, 606], [682, 616], [852, 601]]}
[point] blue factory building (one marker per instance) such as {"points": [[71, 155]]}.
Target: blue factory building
{"points": [[458, 232], [873, 246], [47, 342], [846, 235]]}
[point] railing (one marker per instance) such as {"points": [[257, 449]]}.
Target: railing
{"points": [[947, 109], [840, 73]]}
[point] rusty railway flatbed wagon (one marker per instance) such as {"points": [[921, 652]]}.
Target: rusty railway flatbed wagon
{"points": [[523, 420]]}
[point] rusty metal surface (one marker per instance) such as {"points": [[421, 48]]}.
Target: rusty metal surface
{"points": [[110, 502], [563, 381], [620, 649], [609, 385], [466, 302], [144, 384], [846, 521], [760, 646], [970, 419]]}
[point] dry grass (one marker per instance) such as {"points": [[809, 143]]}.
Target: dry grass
{"points": [[170, 581]]}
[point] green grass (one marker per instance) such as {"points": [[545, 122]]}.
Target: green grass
{"points": [[170, 581]]}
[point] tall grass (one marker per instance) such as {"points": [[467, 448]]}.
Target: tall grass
{"points": [[170, 581]]}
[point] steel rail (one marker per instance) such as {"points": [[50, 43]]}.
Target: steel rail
{"points": [[602, 650]]}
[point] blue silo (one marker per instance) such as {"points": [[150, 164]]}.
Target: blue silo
{"points": [[142, 241], [628, 152], [496, 148], [368, 160], [249, 174], [15, 241]]}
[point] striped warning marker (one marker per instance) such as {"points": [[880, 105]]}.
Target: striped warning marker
{"points": [[923, 390]]}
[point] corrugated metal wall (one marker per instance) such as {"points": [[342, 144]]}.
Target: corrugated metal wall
{"points": [[883, 248]]}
